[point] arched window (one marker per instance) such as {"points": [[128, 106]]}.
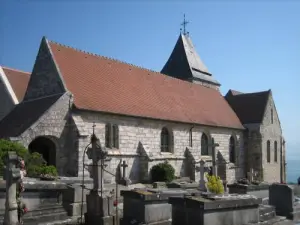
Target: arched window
{"points": [[107, 135], [111, 136], [115, 136], [275, 151], [231, 150], [165, 140], [191, 138], [204, 144], [268, 152]]}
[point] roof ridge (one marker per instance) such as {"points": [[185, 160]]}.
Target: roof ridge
{"points": [[105, 57], [9, 68]]}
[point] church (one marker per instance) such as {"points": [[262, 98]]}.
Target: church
{"points": [[141, 116]]}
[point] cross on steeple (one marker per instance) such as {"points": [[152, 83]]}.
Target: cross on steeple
{"points": [[185, 22]]}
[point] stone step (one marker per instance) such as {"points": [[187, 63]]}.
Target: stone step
{"points": [[266, 212], [277, 220], [45, 213]]}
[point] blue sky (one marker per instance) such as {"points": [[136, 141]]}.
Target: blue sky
{"points": [[247, 45]]}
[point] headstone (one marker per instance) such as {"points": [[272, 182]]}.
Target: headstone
{"points": [[99, 203], [214, 161], [202, 182], [124, 180], [148, 206], [250, 175], [12, 176], [282, 197]]}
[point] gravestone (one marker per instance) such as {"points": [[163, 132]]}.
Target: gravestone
{"points": [[198, 210], [99, 202], [250, 175], [202, 182], [124, 180], [148, 206], [282, 196], [12, 175]]}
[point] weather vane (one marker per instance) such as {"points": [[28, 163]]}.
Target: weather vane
{"points": [[185, 22]]}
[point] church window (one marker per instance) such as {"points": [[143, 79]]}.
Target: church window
{"points": [[107, 135], [275, 151], [272, 119], [115, 136], [165, 140], [232, 150], [268, 151], [204, 144], [191, 138], [111, 136]]}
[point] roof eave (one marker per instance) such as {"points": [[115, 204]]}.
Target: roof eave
{"points": [[241, 127]]}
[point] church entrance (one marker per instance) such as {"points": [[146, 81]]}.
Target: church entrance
{"points": [[46, 148]]}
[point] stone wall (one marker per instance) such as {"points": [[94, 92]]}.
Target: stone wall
{"points": [[53, 125], [271, 130], [136, 134], [45, 79], [6, 101]]}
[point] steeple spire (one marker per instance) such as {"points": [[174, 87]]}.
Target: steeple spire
{"points": [[185, 22]]}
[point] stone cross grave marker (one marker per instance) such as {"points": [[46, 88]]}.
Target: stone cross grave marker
{"points": [[98, 156], [202, 181], [250, 175], [124, 165], [12, 175], [214, 161]]}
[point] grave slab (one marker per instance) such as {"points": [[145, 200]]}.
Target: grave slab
{"points": [[148, 206], [201, 211]]}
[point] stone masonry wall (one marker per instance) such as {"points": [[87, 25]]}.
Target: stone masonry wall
{"points": [[6, 101], [55, 126], [135, 131], [45, 79], [272, 132]]}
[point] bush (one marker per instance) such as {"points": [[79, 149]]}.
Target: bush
{"points": [[49, 170], [7, 146], [162, 172], [214, 184], [34, 163]]}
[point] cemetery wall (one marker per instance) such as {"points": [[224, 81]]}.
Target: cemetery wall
{"points": [[271, 130], [146, 132]]}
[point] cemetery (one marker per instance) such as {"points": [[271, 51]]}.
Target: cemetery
{"points": [[179, 201]]}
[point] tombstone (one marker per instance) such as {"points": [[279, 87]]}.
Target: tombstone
{"points": [[124, 180], [198, 210], [250, 175], [202, 182], [12, 176], [214, 161], [282, 197], [100, 209]]}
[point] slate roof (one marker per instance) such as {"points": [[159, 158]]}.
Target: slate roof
{"points": [[18, 81], [185, 63], [24, 115], [106, 85], [249, 107]]}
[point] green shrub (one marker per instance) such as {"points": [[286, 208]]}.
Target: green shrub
{"points": [[34, 163], [6, 146], [49, 170], [162, 172], [214, 184]]}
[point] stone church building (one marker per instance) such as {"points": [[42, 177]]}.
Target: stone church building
{"points": [[141, 116]]}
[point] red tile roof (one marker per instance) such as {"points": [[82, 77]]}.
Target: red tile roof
{"points": [[102, 84], [18, 81]]}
